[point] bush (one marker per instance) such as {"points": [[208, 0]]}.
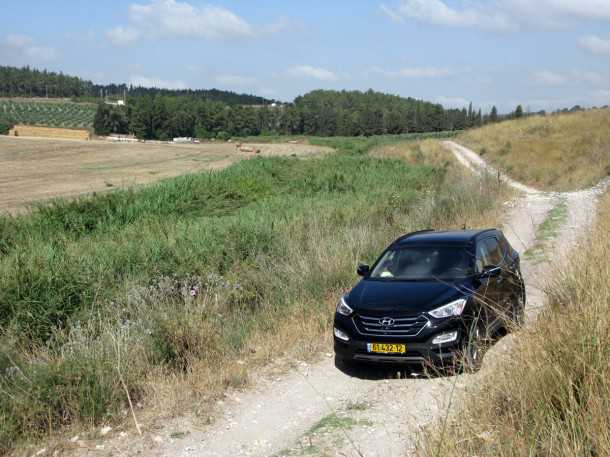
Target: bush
{"points": [[5, 126], [223, 136]]}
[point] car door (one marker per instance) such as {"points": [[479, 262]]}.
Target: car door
{"points": [[488, 293], [502, 284]]}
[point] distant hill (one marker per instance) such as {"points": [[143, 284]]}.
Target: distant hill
{"points": [[29, 82]]}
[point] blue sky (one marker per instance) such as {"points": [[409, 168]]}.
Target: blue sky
{"points": [[544, 54]]}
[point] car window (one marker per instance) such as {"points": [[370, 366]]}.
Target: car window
{"points": [[423, 263], [494, 251], [482, 257]]}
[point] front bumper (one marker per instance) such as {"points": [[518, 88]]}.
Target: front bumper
{"points": [[419, 350]]}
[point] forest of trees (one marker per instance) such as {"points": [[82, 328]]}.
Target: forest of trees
{"points": [[152, 113], [321, 112], [28, 82]]}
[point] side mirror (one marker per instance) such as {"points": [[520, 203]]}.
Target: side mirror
{"points": [[490, 271], [363, 270]]}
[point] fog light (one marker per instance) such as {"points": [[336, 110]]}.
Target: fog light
{"points": [[445, 337], [341, 335]]}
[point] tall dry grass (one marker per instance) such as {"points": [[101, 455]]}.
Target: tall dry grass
{"points": [[553, 152], [179, 290], [552, 398]]}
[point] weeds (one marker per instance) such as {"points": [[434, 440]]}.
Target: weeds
{"points": [[552, 397], [547, 230], [181, 276]]}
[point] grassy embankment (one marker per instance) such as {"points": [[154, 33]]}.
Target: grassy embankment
{"points": [[176, 290], [552, 398], [555, 152]]}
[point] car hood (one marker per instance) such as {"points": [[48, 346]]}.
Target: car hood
{"points": [[408, 297]]}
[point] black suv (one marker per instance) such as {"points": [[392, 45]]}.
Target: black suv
{"points": [[431, 297]]}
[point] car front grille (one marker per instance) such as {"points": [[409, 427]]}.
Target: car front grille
{"points": [[402, 326]]}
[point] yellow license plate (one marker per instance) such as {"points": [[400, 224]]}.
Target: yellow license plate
{"points": [[386, 348]]}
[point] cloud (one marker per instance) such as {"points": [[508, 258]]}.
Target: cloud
{"points": [[589, 77], [393, 15], [452, 102], [601, 96], [180, 19], [418, 72], [548, 78], [25, 48], [307, 71], [235, 80], [122, 36], [424, 72], [595, 44], [17, 41], [499, 16], [144, 81], [438, 13]]}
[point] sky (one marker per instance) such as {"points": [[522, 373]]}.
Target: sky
{"points": [[543, 54]]}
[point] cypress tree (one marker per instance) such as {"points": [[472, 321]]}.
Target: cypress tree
{"points": [[493, 115], [518, 112]]}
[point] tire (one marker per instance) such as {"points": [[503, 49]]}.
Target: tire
{"points": [[344, 364], [474, 349], [517, 313]]}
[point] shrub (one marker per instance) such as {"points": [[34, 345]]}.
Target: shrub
{"points": [[5, 126]]}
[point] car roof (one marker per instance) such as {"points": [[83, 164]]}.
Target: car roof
{"points": [[441, 237]]}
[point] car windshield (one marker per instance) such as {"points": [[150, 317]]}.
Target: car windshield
{"points": [[424, 263]]}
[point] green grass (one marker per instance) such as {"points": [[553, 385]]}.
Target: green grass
{"points": [[49, 114], [547, 230], [360, 144], [175, 278], [334, 422]]}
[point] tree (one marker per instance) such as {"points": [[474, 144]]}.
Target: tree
{"points": [[101, 122], [493, 115], [5, 126], [518, 112]]}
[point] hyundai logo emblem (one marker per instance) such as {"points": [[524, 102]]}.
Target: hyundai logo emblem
{"points": [[386, 322]]}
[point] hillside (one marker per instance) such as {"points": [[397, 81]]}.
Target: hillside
{"points": [[553, 152], [29, 82], [54, 113]]}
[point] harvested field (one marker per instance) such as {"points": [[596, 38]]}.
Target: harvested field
{"points": [[50, 132], [35, 169]]}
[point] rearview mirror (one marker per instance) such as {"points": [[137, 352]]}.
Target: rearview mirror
{"points": [[490, 271], [363, 270]]}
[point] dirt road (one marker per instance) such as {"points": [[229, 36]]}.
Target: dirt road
{"points": [[35, 169], [319, 410]]}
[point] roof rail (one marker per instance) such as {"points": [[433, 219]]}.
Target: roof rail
{"points": [[486, 230], [417, 232]]}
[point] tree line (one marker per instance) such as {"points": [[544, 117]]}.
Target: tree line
{"points": [[321, 112], [29, 82]]}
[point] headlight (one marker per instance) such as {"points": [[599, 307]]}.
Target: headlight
{"points": [[340, 334], [454, 308], [343, 308], [445, 337]]}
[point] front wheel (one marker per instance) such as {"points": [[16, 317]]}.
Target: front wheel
{"points": [[517, 312], [474, 349]]}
